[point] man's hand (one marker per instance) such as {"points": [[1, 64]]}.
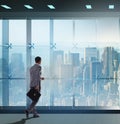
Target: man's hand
{"points": [[37, 87], [42, 78]]}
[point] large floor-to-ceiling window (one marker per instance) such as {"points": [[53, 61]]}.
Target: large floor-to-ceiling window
{"points": [[41, 42], [17, 62], [80, 61]]}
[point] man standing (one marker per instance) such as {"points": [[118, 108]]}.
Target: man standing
{"points": [[35, 82]]}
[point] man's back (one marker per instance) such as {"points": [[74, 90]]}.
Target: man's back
{"points": [[35, 84], [35, 72]]}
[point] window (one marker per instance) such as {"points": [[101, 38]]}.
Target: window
{"points": [[106, 27], [40, 32], [62, 72], [80, 61], [63, 33], [85, 69], [17, 32], [85, 32], [17, 62], [41, 41]]}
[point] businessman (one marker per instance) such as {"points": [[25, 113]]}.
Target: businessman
{"points": [[35, 82]]}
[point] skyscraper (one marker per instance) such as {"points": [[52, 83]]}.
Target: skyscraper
{"points": [[108, 57], [95, 71], [67, 76], [86, 80], [90, 54], [58, 60], [17, 66], [74, 58]]}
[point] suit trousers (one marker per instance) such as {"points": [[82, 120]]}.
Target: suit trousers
{"points": [[32, 107]]}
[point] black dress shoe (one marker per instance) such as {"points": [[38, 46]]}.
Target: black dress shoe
{"points": [[36, 116], [27, 113]]}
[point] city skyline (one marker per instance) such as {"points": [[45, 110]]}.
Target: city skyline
{"points": [[80, 60], [75, 79]]}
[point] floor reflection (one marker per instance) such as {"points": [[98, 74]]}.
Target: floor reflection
{"points": [[22, 121]]}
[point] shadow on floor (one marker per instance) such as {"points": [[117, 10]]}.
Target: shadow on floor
{"points": [[22, 121]]}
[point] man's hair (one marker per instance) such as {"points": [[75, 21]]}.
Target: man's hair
{"points": [[37, 59]]}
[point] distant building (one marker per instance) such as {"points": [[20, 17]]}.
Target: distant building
{"points": [[109, 55], [67, 76], [58, 60], [74, 59], [17, 66], [90, 54], [95, 71], [86, 80]]}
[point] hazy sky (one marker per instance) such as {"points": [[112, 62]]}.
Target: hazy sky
{"points": [[99, 31]]}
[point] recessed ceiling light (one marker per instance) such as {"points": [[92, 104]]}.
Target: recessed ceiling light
{"points": [[6, 6], [51, 6], [28, 6], [111, 6], [88, 6]]}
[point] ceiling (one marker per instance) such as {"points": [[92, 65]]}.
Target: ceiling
{"points": [[60, 5], [63, 8]]}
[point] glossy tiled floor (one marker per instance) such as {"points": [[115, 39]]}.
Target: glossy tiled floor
{"points": [[61, 119]]}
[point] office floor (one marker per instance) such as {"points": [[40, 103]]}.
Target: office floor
{"points": [[61, 119]]}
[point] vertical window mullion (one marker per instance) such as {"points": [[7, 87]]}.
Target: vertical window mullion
{"points": [[5, 62]]}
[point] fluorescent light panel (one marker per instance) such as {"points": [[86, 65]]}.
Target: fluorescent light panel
{"points": [[111, 6], [88, 6], [51, 6], [6, 6], [28, 6]]}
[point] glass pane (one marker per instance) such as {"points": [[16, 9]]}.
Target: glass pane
{"points": [[86, 73], [17, 62], [62, 87], [44, 53], [107, 31], [63, 32], [17, 74], [40, 32], [17, 92], [85, 31], [106, 87], [17, 32], [41, 38]]}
